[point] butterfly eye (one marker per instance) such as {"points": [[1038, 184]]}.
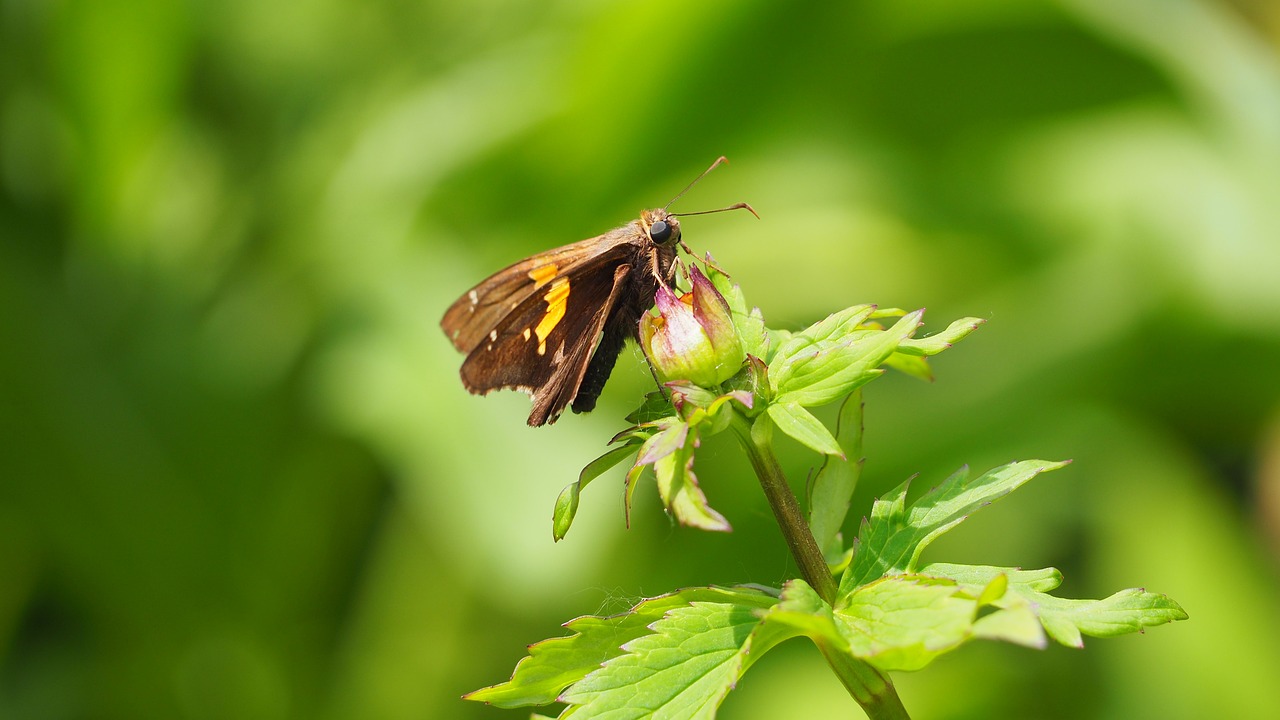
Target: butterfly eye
{"points": [[660, 231]]}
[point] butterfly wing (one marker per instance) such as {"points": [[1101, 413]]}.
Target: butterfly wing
{"points": [[480, 310], [544, 345]]}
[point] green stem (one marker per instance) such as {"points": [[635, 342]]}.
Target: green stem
{"points": [[813, 566], [872, 689]]}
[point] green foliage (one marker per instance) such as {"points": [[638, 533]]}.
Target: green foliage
{"points": [[678, 656], [801, 425], [827, 361], [1065, 619], [553, 665], [893, 538], [835, 482]]}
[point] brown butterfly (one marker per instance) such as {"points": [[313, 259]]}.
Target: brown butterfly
{"points": [[552, 325]]}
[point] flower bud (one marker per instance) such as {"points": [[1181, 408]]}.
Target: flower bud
{"points": [[693, 337]]}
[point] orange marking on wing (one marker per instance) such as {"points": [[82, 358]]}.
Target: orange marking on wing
{"points": [[543, 275], [557, 298]]}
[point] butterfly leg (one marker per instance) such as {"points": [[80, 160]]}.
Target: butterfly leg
{"points": [[677, 264]]}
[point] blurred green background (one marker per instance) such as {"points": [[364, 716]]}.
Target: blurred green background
{"points": [[240, 479]]}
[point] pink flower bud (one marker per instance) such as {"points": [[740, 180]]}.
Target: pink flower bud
{"points": [[692, 338]]}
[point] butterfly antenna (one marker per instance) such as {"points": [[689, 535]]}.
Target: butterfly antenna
{"points": [[735, 206], [714, 165]]}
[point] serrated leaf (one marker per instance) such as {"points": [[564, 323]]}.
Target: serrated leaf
{"points": [[895, 623], [836, 480], [1124, 612], [1065, 619], [890, 542], [802, 426], [801, 611], [693, 657], [903, 623], [552, 665]]}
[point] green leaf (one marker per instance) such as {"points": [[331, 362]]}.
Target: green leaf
{"points": [[916, 367], [891, 541], [656, 406], [832, 328], [801, 425], [800, 607], [746, 320], [565, 510], [1064, 619], [978, 575], [830, 368], [836, 480], [693, 657], [880, 312], [567, 502], [683, 498], [904, 622], [671, 436], [715, 416], [799, 346], [629, 490], [754, 382], [776, 339], [935, 344], [552, 665], [938, 342], [1014, 623], [683, 393], [1124, 612]]}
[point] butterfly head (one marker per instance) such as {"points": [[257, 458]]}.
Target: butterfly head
{"points": [[663, 229]]}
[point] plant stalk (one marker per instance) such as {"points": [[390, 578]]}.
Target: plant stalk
{"points": [[813, 566], [872, 689]]}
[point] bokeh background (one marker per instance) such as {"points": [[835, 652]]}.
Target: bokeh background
{"points": [[240, 479]]}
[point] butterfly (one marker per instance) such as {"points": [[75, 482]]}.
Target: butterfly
{"points": [[552, 325]]}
